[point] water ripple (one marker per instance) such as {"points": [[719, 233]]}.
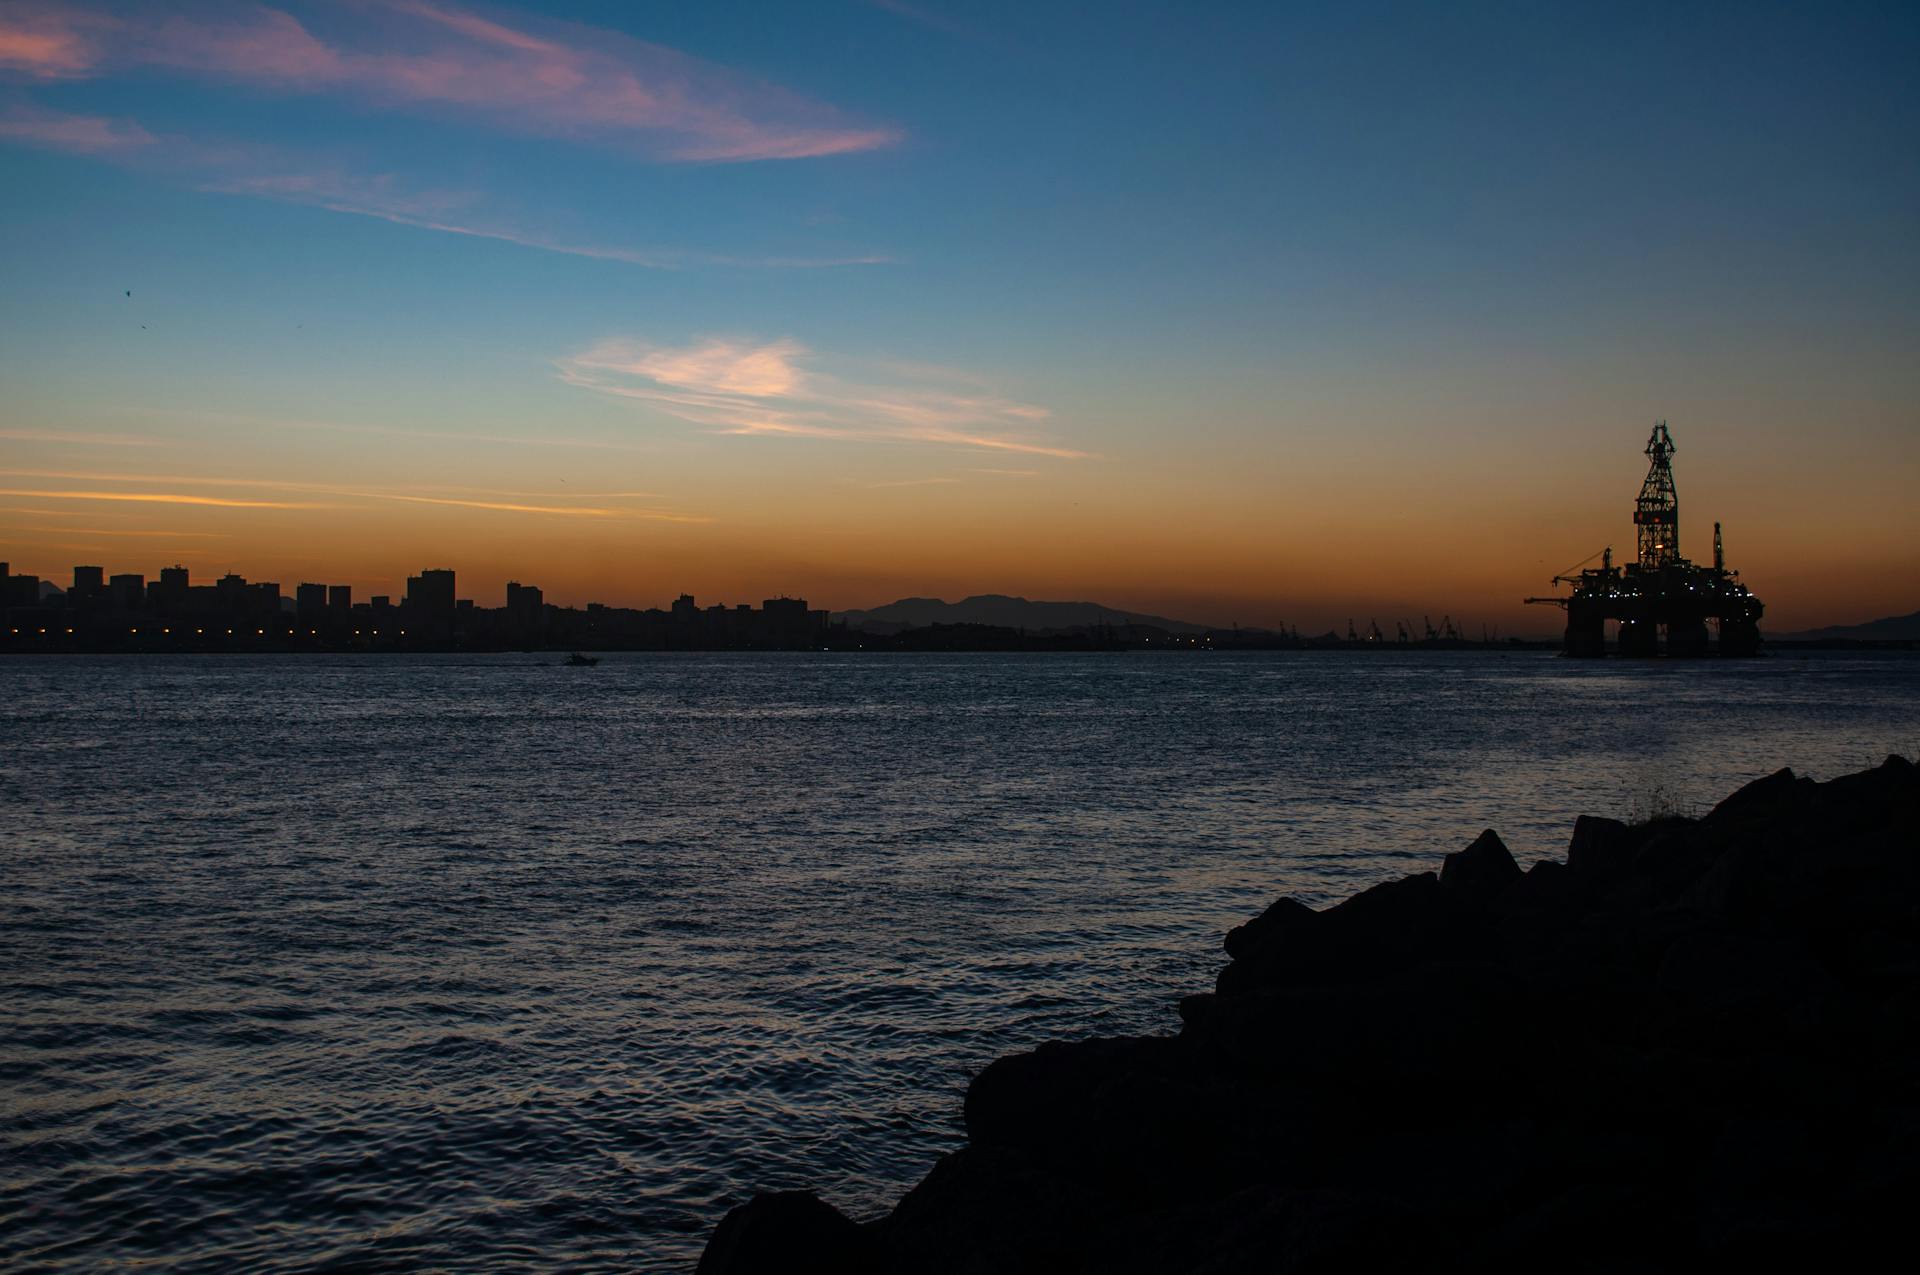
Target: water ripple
{"points": [[458, 962]]}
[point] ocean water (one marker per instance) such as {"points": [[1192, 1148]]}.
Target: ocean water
{"points": [[472, 962]]}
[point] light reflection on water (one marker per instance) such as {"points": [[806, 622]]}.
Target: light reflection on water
{"points": [[479, 960]]}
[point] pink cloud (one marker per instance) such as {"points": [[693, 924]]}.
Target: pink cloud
{"points": [[745, 387], [49, 41], [263, 46], [575, 82], [478, 28], [81, 134], [716, 367]]}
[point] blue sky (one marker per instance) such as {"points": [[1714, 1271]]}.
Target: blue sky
{"points": [[1206, 308]]}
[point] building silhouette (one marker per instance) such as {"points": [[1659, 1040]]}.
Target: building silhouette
{"points": [[310, 603], [233, 613]]}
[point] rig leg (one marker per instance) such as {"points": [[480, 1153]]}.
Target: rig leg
{"points": [[1639, 639], [1586, 636], [1739, 638], [1687, 639]]}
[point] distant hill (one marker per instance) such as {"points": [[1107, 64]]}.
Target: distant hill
{"points": [[1893, 628], [1000, 610]]}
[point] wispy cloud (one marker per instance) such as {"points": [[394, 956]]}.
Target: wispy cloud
{"points": [[52, 41], [163, 535], [390, 431], [565, 511], [191, 480], [267, 172], [78, 134], [79, 438], [661, 259], [911, 482], [768, 387], [515, 75], [156, 498], [570, 511], [411, 495]]}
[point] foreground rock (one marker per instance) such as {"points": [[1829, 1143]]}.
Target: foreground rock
{"points": [[1695, 1043]]}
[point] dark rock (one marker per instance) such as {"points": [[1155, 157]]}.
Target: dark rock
{"points": [[1722, 991], [1482, 870], [1386, 1041], [1601, 847], [1284, 916], [1056, 1093], [785, 1231], [1389, 927], [986, 1210], [1893, 784], [1671, 858], [1692, 1046], [1270, 1228], [1762, 796], [1197, 1010], [1585, 1227]]}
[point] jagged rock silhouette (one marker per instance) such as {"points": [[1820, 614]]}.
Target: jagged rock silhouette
{"points": [[1694, 1043]]}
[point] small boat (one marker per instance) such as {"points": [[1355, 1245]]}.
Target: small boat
{"points": [[577, 660]]}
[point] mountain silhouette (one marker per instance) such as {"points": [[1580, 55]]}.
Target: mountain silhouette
{"points": [[1005, 612], [1893, 628]]}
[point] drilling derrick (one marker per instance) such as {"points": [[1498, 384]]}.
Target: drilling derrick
{"points": [[1660, 592], [1656, 514]]}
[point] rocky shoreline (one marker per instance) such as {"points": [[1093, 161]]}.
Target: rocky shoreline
{"points": [[1694, 1043]]}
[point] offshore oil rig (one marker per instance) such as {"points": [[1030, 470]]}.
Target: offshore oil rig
{"points": [[1662, 590]]}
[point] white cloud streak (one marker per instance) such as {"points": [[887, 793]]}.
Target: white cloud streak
{"points": [[731, 386]]}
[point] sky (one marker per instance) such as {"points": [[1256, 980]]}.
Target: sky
{"points": [[1240, 313]]}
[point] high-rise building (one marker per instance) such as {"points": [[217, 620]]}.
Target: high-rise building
{"points": [[340, 597], [431, 593], [18, 591], [87, 583], [232, 591], [126, 591], [310, 602], [168, 594], [789, 623], [23, 591]]}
